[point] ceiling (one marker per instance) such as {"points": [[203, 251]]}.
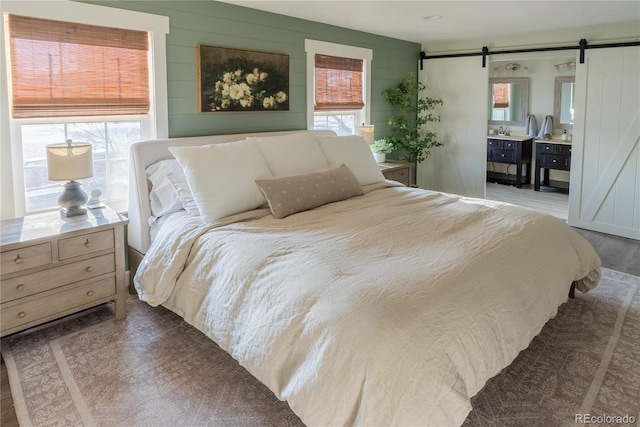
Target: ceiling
{"points": [[460, 20]]}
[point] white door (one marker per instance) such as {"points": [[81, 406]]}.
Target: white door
{"points": [[605, 164], [460, 165]]}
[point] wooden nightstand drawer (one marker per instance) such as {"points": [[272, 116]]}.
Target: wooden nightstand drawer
{"points": [[34, 283], [396, 171], [85, 244], [401, 174], [25, 258], [33, 309]]}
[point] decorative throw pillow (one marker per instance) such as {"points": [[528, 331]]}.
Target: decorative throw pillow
{"points": [[292, 154], [293, 194], [353, 151], [222, 176]]}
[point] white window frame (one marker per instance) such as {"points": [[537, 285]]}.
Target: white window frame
{"points": [[313, 47], [11, 171]]}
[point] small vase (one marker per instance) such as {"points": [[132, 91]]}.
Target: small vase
{"points": [[380, 157]]}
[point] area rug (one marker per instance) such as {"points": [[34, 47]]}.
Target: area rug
{"points": [[152, 369]]}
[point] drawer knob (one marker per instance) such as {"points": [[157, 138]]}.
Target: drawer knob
{"points": [[555, 161], [20, 287], [89, 269], [18, 259], [22, 314], [87, 243], [89, 293]]}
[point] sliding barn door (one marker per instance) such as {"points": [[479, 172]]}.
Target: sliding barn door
{"points": [[605, 165], [460, 165]]}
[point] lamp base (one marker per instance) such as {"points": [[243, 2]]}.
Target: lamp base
{"points": [[72, 199], [73, 211]]}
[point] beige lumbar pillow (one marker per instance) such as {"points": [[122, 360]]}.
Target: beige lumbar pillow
{"points": [[293, 194]]}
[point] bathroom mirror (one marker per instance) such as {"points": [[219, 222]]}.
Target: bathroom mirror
{"points": [[563, 104], [508, 101]]}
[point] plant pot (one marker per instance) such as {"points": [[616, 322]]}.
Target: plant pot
{"points": [[380, 157]]}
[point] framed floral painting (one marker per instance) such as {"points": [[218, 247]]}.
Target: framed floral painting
{"points": [[242, 80]]}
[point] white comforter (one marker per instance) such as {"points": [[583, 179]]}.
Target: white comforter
{"points": [[392, 308]]}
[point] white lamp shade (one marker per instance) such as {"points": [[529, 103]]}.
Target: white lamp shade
{"points": [[367, 132], [68, 162]]}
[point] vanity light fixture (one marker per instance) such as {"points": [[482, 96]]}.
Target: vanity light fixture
{"points": [[565, 67], [512, 69]]}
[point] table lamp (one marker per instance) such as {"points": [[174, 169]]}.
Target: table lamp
{"points": [[69, 162], [367, 132]]}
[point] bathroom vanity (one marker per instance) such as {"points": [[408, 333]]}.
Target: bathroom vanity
{"points": [[510, 149], [550, 155]]}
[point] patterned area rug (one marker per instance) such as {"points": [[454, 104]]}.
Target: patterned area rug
{"points": [[152, 369]]}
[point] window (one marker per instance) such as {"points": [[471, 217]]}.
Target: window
{"points": [[338, 86], [86, 73], [110, 140]]}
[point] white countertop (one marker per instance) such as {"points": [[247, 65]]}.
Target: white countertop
{"points": [[554, 141], [511, 137]]}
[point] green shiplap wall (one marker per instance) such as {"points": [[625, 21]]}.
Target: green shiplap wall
{"points": [[221, 24]]}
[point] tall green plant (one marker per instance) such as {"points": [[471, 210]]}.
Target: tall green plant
{"points": [[412, 141]]}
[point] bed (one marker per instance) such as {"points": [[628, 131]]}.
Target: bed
{"points": [[387, 305]]}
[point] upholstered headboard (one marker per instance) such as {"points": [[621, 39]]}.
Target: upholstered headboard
{"points": [[145, 153]]}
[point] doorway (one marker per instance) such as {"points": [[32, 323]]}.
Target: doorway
{"points": [[531, 97]]}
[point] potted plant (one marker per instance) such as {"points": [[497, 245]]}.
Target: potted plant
{"points": [[380, 148], [409, 136]]}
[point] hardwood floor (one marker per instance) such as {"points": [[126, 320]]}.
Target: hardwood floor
{"points": [[7, 411], [546, 200], [617, 253]]}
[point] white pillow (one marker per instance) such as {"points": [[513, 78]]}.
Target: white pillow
{"points": [[222, 176], [180, 184], [293, 154], [353, 151], [163, 197]]}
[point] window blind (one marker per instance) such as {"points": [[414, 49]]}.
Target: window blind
{"points": [[61, 69], [338, 83], [501, 95]]}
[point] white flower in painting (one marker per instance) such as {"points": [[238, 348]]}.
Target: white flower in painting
{"points": [[245, 88], [263, 76], [225, 90], [236, 92], [219, 86], [281, 97], [246, 102], [268, 102], [227, 78], [238, 73], [252, 79], [225, 103]]}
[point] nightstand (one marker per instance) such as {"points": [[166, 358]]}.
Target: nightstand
{"points": [[53, 266], [396, 171]]}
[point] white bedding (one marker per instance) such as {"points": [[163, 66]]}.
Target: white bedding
{"points": [[391, 308]]}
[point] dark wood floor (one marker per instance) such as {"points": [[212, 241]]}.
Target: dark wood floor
{"points": [[617, 253]]}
